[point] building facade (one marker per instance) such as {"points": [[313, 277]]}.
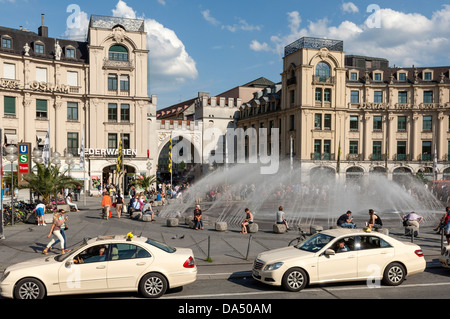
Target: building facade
{"points": [[355, 115], [93, 92]]}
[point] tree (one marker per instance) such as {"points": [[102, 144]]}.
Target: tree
{"points": [[145, 182], [48, 181]]}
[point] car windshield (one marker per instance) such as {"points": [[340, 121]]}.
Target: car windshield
{"points": [[316, 242], [160, 246], [64, 256]]}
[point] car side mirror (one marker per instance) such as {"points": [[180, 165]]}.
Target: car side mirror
{"points": [[330, 252], [69, 263]]}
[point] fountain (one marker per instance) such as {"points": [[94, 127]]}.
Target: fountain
{"points": [[322, 196]]}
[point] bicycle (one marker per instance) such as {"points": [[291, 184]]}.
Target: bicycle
{"points": [[296, 241]]}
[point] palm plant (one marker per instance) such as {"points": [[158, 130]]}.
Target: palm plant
{"points": [[48, 181], [145, 182]]}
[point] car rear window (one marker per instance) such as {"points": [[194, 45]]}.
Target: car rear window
{"points": [[161, 246]]}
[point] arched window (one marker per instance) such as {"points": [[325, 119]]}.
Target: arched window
{"points": [[118, 53], [322, 71]]}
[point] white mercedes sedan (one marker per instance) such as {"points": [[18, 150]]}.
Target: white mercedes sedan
{"points": [[100, 265], [339, 255]]}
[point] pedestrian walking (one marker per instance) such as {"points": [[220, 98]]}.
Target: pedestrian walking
{"points": [[106, 206], [55, 231], [119, 204]]}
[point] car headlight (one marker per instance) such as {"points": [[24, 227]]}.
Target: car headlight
{"points": [[5, 274], [273, 266]]}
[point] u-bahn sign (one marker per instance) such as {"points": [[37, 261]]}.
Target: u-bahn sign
{"points": [[24, 159]]}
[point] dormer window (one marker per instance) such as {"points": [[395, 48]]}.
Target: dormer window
{"points": [[402, 76], [39, 48], [118, 53], [427, 75], [377, 76], [353, 76], [6, 42], [70, 53]]}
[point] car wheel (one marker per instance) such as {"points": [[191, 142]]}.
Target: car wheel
{"points": [[29, 288], [295, 279], [153, 285], [394, 274]]}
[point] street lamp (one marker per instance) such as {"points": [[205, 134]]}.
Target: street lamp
{"points": [[69, 161], [11, 156]]}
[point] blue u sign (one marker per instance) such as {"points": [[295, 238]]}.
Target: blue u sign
{"points": [[23, 149]]}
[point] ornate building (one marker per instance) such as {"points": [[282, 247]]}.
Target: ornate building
{"points": [[356, 115], [95, 89]]}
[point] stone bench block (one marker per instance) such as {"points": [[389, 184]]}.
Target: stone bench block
{"points": [[172, 222], [221, 226], [252, 228], [147, 218], [384, 231], [279, 228]]}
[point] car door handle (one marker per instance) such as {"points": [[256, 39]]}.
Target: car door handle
{"points": [[140, 264], [101, 267]]}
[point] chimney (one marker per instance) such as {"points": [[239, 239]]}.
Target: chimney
{"points": [[43, 30]]}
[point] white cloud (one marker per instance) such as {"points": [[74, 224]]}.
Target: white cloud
{"points": [[162, 2], [242, 24], [349, 7], [123, 10], [207, 16], [403, 38]]}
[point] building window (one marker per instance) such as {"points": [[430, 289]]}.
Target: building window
{"points": [[41, 109], [322, 71], [427, 76], [401, 123], [112, 141], [112, 82], [376, 150], [427, 123], [401, 150], [112, 112], [72, 143], [403, 97], [326, 150], [378, 97], [70, 53], [72, 111], [125, 112], [6, 43], [72, 78], [41, 75], [124, 83], [377, 77], [402, 76], [354, 123], [318, 121], [353, 147], [327, 95], [354, 97], [327, 122], [377, 123], [125, 141], [317, 149], [292, 96], [292, 122], [9, 71], [318, 95], [353, 76], [428, 97], [9, 105], [118, 53], [426, 150], [39, 48]]}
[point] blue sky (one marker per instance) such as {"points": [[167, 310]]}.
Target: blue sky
{"points": [[212, 46]]}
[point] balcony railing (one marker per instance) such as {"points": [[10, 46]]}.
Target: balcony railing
{"points": [[323, 156]]}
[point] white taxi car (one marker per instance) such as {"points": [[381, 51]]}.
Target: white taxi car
{"points": [[445, 256], [100, 265], [338, 255]]}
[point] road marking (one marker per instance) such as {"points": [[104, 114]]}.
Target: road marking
{"points": [[304, 291]]}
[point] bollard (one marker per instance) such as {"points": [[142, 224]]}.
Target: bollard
{"points": [[209, 248], [248, 248]]}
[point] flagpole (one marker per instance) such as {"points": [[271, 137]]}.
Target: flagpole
{"points": [[82, 163]]}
